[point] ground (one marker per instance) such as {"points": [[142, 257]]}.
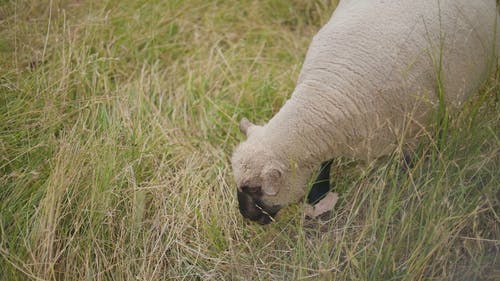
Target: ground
{"points": [[117, 121]]}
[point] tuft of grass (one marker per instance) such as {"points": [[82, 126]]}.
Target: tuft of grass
{"points": [[117, 120]]}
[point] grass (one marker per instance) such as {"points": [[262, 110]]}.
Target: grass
{"points": [[117, 120]]}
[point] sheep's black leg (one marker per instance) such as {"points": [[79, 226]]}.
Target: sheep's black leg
{"points": [[322, 184]]}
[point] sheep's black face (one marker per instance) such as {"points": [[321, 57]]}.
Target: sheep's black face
{"points": [[253, 208]]}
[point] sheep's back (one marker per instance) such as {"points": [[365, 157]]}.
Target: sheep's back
{"points": [[395, 49], [372, 72]]}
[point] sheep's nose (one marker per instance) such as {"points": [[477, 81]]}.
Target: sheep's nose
{"points": [[253, 209]]}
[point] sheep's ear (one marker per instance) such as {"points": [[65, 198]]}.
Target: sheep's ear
{"points": [[271, 179], [245, 126]]}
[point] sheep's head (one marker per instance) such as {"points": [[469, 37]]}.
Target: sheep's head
{"points": [[266, 181]]}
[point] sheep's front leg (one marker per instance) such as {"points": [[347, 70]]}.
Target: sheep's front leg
{"points": [[322, 184]]}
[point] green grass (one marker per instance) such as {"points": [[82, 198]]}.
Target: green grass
{"points": [[117, 121]]}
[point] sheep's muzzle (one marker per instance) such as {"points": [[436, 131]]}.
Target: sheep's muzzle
{"points": [[251, 207]]}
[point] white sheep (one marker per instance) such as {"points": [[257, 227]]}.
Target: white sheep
{"points": [[370, 76]]}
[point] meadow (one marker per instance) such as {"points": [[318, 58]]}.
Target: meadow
{"points": [[117, 122]]}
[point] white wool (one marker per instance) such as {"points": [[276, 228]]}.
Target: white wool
{"points": [[369, 78]]}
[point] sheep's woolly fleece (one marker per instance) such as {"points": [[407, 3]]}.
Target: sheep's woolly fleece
{"points": [[368, 80]]}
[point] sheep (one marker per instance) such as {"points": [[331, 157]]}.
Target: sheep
{"points": [[371, 75]]}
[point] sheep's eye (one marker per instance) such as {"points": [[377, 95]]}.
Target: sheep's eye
{"points": [[251, 189]]}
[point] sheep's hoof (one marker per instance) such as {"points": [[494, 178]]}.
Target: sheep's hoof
{"points": [[323, 206]]}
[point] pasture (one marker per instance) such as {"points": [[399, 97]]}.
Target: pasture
{"points": [[117, 122]]}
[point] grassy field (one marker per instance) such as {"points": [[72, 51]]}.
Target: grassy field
{"points": [[117, 121]]}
